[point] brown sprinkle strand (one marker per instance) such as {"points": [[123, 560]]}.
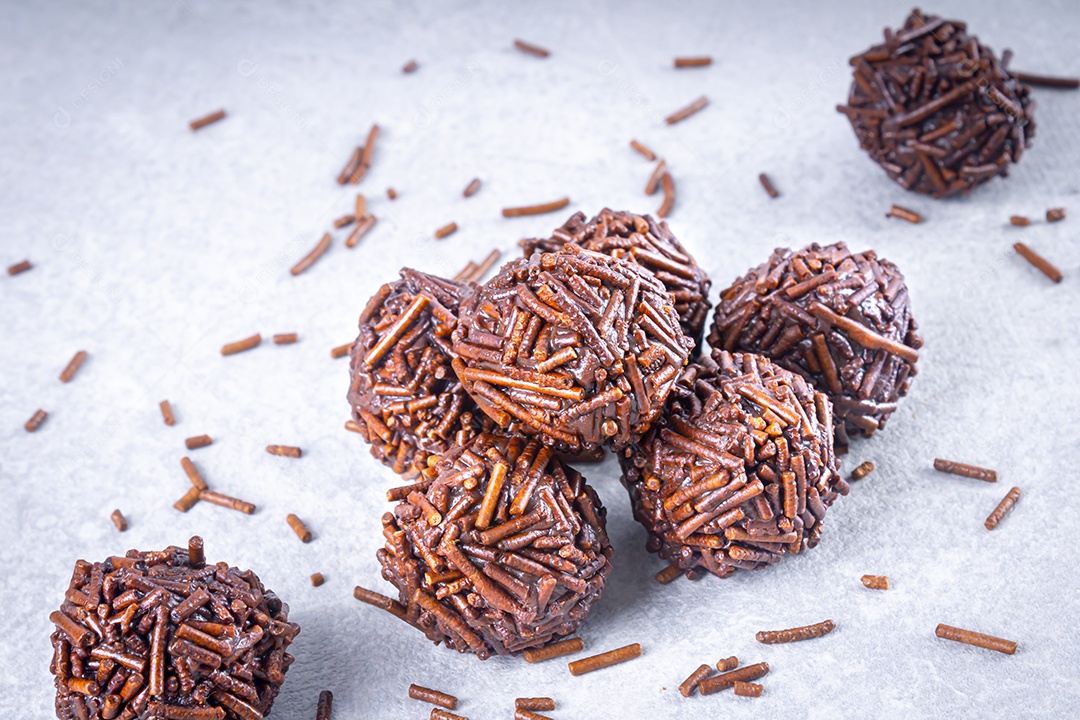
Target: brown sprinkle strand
{"points": [[437, 714], [199, 441], [607, 659], [361, 206], [317, 579], [1002, 509], [645, 151], [204, 121], [728, 679], [898, 211], [1064, 83], [1055, 214], [806, 632], [531, 49], [687, 111], [351, 167], [1019, 221], [472, 188], [728, 663], [73, 366], [410, 67], [317, 252], [326, 702], [969, 637], [379, 600], [529, 715], [748, 689], [284, 450], [690, 684], [768, 185], [692, 62], [534, 703], [19, 267], [654, 180], [340, 351], [35, 421], [167, 413], [188, 500], [344, 221], [242, 345], [216, 498], [448, 229], [360, 231], [668, 574], [554, 650], [536, 209], [365, 155], [193, 474], [668, 183], [119, 520], [970, 471], [875, 582], [391, 193], [299, 528], [285, 338], [416, 692], [196, 551], [864, 468], [1038, 261]]}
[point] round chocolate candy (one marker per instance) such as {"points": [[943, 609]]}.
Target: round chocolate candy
{"points": [[937, 109], [163, 635], [503, 550], [576, 347], [640, 239], [839, 319], [739, 471], [406, 400]]}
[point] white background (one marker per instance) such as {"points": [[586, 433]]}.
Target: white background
{"points": [[153, 246]]}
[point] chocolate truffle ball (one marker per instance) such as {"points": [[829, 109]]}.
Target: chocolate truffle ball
{"points": [[406, 400], [163, 635], [938, 110], [504, 549], [739, 471], [640, 239], [576, 347], [841, 320]]}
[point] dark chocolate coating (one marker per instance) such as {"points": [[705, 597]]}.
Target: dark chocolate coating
{"points": [[503, 550], [576, 346], [936, 109], [786, 309], [222, 639], [739, 471], [405, 398], [640, 239]]}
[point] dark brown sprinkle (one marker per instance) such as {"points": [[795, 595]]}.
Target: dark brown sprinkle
{"points": [[161, 634], [360, 231], [687, 111], [193, 474], [439, 714], [769, 187], [1019, 221], [605, 660], [216, 498], [343, 221], [416, 692], [1055, 214], [1065, 83], [472, 188], [536, 209], [534, 703], [862, 470], [325, 706], [19, 267], [692, 62], [970, 471], [554, 650], [448, 229], [35, 421], [317, 579], [668, 184], [380, 601], [285, 338], [807, 632], [653, 182], [875, 582], [196, 551], [317, 252], [167, 413], [520, 714], [748, 689], [898, 211], [284, 450], [199, 441], [728, 663], [970, 637], [119, 520], [531, 49], [668, 574], [340, 351], [206, 120], [73, 367], [690, 684], [410, 67], [241, 345], [391, 193], [728, 679], [1002, 509], [645, 152], [299, 528], [936, 109]]}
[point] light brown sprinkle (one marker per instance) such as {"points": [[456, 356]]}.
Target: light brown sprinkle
{"points": [[1044, 265], [875, 582], [391, 193], [645, 152], [188, 500], [361, 206], [317, 579], [472, 188], [216, 498], [299, 528], [445, 230], [284, 450], [351, 167], [285, 338], [806, 632], [534, 703], [440, 714], [728, 663], [1055, 214], [899, 211], [167, 413], [366, 155], [680, 115], [748, 689], [767, 183], [668, 574], [971, 637], [35, 421], [970, 471], [119, 520], [206, 120], [690, 684], [862, 470], [317, 252], [531, 49], [410, 67], [340, 351], [554, 650], [199, 441], [536, 209], [435, 697], [360, 231], [344, 221], [19, 267], [692, 62], [604, 660], [380, 601], [193, 474], [1002, 509], [529, 715], [241, 345], [73, 366], [1020, 221], [728, 679], [668, 183], [654, 180]]}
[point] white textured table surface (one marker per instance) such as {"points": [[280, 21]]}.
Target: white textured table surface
{"points": [[153, 246]]}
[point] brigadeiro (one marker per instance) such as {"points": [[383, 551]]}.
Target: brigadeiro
{"points": [[164, 635], [938, 110], [504, 550], [576, 347], [640, 239], [740, 470], [406, 400], [840, 319]]}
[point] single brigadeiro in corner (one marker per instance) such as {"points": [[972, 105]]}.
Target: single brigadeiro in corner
{"points": [[938, 110], [406, 400], [640, 239], [576, 347], [162, 634], [504, 550], [840, 319], [739, 471]]}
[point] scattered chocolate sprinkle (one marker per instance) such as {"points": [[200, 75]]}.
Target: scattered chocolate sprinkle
{"points": [[668, 183], [898, 211], [199, 441], [862, 470], [410, 67], [747, 689], [360, 231], [554, 650], [73, 367], [284, 450], [438, 714], [299, 528], [875, 582], [326, 698], [119, 520], [167, 413], [361, 206], [604, 660], [690, 684], [193, 474], [536, 209], [196, 551], [1064, 83], [241, 345], [216, 498], [188, 501], [653, 182], [531, 49], [204, 121], [535, 703], [1055, 214], [343, 221], [391, 193], [340, 351], [317, 252], [692, 62], [668, 574], [1020, 221], [472, 188], [769, 187], [434, 697], [19, 267], [35, 421], [970, 471], [285, 338], [448, 229], [687, 111], [728, 663], [317, 579], [728, 679], [351, 167], [1002, 509], [529, 715], [645, 151], [366, 155], [807, 632], [970, 637]]}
